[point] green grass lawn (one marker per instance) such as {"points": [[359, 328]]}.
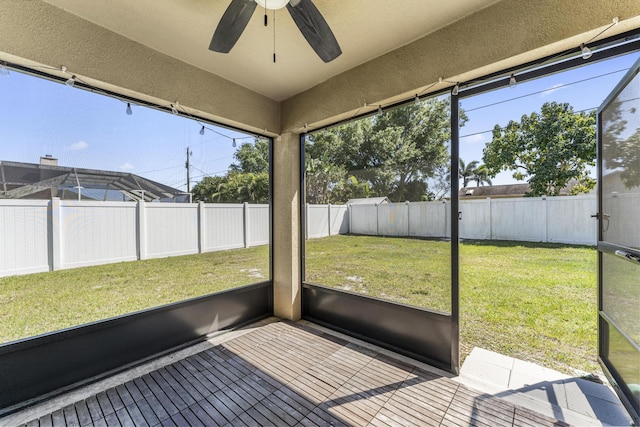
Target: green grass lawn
{"points": [[532, 301], [44, 302]]}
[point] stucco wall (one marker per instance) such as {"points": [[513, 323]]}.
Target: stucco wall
{"points": [[505, 34]]}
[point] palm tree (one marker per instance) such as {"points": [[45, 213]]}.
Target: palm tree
{"points": [[482, 176], [467, 172]]}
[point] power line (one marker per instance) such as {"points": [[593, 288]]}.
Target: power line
{"points": [[215, 160], [504, 127], [163, 169], [545, 90], [210, 175], [536, 93]]}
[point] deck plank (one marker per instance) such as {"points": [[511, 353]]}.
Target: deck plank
{"points": [[94, 408], [141, 386], [125, 395], [124, 417], [57, 418], [114, 398], [193, 393], [105, 404], [208, 417], [214, 412], [149, 415], [112, 420], [225, 405], [136, 415], [71, 417], [289, 374], [159, 410], [84, 416]]}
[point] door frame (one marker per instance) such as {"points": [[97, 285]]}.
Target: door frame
{"points": [[605, 323]]}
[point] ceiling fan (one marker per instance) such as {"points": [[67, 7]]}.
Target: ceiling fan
{"points": [[307, 17]]}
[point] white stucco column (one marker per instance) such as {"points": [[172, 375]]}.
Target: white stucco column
{"points": [[287, 287]]}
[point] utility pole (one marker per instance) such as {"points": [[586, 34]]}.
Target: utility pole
{"points": [[189, 153]]}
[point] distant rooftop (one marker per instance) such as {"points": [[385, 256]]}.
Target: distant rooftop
{"points": [[500, 191], [369, 201], [46, 180]]}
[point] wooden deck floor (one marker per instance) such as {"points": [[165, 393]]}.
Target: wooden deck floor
{"points": [[288, 374]]}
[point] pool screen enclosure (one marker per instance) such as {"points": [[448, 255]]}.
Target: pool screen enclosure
{"points": [[619, 239]]}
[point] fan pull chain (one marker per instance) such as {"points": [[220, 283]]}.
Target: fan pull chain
{"points": [[274, 36], [265, 13]]}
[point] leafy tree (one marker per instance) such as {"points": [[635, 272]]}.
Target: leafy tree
{"points": [[393, 154], [481, 176], [618, 153], [246, 187], [467, 172], [629, 155], [349, 188], [246, 181], [548, 149], [252, 158], [210, 189], [321, 175]]}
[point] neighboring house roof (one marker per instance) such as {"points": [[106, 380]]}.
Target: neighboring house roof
{"points": [[501, 191], [612, 182], [511, 190], [40, 181], [369, 201]]}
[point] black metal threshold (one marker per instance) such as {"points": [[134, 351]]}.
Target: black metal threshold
{"points": [[417, 333]]}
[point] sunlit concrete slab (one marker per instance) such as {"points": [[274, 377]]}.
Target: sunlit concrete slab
{"points": [[573, 400]]}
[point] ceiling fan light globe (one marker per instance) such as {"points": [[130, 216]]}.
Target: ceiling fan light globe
{"points": [[272, 4]]}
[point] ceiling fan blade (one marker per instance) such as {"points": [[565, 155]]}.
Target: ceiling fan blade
{"points": [[315, 29], [231, 25]]}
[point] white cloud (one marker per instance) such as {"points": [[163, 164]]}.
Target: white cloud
{"points": [[77, 146], [552, 89], [126, 167], [474, 138]]}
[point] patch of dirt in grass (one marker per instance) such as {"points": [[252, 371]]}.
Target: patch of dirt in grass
{"points": [[355, 285], [395, 298], [255, 273]]}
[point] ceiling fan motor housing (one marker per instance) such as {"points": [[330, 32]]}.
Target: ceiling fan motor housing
{"points": [[272, 4]]}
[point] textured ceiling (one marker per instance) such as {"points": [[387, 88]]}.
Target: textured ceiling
{"points": [[182, 29]]}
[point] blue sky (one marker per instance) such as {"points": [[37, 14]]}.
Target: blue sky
{"points": [[38, 117], [584, 88]]}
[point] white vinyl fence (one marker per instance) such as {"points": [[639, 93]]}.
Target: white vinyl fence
{"points": [[41, 235], [326, 220], [37, 236], [533, 219], [564, 219]]}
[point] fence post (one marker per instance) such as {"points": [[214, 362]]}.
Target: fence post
{"points": [[306, 221], [349, 215], [56, 231], [546, 219], [245, 223], [490, 219], [329, 220], [201, 228], [446, 219], [408, 204], [142, 231], [377, 205]]}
